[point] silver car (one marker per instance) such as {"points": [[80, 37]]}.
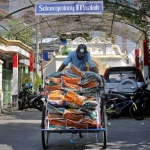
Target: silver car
{"points": [[123, 79]]}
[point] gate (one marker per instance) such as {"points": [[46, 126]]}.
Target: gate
{"points": [[7, 86]]}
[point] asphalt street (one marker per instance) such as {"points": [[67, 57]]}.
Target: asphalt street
{"points": [[20, 130]]}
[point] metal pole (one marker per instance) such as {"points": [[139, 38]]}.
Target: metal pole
{"points": [[42, 60], [148, 49], [37, 46], [148, 37]]}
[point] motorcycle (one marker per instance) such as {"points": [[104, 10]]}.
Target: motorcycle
{"points": [[27, 99], [25, 90], [143, 98]]}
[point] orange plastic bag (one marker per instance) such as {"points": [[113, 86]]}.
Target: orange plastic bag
{"points": [[55, 80], [77, 71], [53, 87], [56, 124], [56, 95], [89, 121], [74, 111], [71, 80], [73, 98], [76, 124], [73, 86], [52, 116], [73, 115]]}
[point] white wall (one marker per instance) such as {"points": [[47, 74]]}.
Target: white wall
{"points": [[49, 69], [131, 50], [59, 60], [114, 62], [53, 65], [130, 47]]}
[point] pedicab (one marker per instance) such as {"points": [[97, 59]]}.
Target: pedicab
{"points": [[73, 120]]}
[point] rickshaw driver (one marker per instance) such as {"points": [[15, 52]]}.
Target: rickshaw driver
{"points": [[79, 59]]}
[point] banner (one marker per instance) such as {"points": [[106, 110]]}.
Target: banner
{"points": [[69, 8]]}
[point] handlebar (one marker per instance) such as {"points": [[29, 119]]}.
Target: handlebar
{"points": [[142, 88]]}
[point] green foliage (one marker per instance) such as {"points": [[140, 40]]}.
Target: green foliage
{"points": [[37, 81], [129, 12], [132, 17], [27, 79], [64, 36], [86, 36], [1, 15], [15, 25], [66, 51], [108, 35]]}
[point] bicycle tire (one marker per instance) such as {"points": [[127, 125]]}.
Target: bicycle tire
{"points": [[137, 113], [44, 133], [111, 113], [104, 124]]}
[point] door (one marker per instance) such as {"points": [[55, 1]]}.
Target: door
{"points": [[7, 86]]}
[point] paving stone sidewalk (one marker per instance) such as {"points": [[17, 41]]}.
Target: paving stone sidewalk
{"points": [[20, 130]]}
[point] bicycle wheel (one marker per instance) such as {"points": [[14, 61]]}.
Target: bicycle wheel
{"points": [[109, 111], [137, 112], [112, 112], [104, 124], [44, 133]]}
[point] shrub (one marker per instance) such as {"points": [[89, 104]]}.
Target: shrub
{"points": [[27, 79], [66, 51], [37, 81]]}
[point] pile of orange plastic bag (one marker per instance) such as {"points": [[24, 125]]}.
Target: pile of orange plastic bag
{"points": [[72, 99]]}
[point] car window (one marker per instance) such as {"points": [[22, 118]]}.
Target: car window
{"points": [[118, 76]]}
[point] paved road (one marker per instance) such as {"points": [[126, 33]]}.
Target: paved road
{"points": [[21, 131]]}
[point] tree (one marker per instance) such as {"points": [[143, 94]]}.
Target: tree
{"points": [[66, 50], [18, 31], [37, 81], [27, 79]]}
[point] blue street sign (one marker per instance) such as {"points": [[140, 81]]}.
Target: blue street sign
{"points": [[69, 8]]}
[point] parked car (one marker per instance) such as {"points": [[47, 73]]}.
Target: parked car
{"points": [[124, 79]]}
